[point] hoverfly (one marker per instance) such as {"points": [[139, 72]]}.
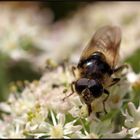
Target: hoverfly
{"points": [[97, 65]]}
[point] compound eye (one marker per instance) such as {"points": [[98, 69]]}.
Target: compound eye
{"points": [[96, 90], [81, 84]]}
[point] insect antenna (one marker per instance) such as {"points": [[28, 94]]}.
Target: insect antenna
{"points": [[72, 89]]}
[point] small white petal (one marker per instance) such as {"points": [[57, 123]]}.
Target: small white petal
{"points": [[61, 118], [66, 137], [78, 134], [38, 135], [72, 129], [132, 77], [132, 108], [5, 107], [53, 119], [69, 124], [133, 132]]}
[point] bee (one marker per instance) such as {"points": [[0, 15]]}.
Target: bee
{"points": [[97, 65]]}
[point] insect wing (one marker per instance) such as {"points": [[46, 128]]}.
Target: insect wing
{"points": [[107, 41]]}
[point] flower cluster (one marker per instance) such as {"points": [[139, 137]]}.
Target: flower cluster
{"points": [[40, 111]]}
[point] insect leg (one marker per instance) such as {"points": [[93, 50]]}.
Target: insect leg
{"points": [[115, 80], [117, 70], [73, 70], [120, 68], [89, 109], [106, 92], [98, 114], [72, 89]]}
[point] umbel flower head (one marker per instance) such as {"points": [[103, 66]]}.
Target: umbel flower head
{"points": [[40, 111]]}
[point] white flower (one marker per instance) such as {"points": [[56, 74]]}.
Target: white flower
{"points": [[117, 93], [13, 129], [103, 129], [60, 129], [132, 120]]}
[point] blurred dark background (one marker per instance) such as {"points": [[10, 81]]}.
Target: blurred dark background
{"points": [[62, 8]]}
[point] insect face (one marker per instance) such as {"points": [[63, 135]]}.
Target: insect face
{"points": [[95, 88], [88, 89]]}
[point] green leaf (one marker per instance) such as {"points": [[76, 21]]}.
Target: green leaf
{"points": [[134, 61]]}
